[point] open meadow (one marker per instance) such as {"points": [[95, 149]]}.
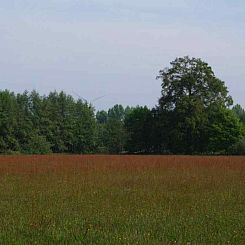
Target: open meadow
{"points": [[61, 199]]}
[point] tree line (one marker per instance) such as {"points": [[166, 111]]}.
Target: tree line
{"points": [[194, 115]]}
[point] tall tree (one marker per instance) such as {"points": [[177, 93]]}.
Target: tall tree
{"points": [[114, 136], [8, 122], [85, 128], [25, 129], [190, 91], [138, 124], [116, 112], [102, 117], [240, 113], [111, 131]]}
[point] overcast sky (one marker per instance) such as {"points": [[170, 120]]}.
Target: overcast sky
{"points": [[116, 47]]}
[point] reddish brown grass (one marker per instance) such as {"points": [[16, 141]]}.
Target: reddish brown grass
{"points": [[59, 163], [96, 199]]}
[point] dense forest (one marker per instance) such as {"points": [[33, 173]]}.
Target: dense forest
{"points": [[194, 116]]}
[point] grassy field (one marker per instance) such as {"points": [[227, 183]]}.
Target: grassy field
{"points": [[122, 200]]}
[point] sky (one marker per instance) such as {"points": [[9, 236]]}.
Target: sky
{"points": [[115, 48]]}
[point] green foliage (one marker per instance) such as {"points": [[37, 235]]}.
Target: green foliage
{"points": [[240, 113], [102, 117], [37, 144], [139, 127], [193, 117], [191, 80], [31, 123], [112, 134], [116, 112], [224, 130], [8, 122], [239, 147], [84, 134], [194, 106], [115, 136]]}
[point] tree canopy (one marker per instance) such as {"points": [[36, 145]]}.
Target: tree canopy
{"points": [[193, 116], [195, 105], [30, 123]]}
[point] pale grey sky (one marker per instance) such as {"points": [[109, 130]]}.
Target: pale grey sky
{"points": [[117, 47]]}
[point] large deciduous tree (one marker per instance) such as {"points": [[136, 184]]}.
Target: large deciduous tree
{"points": [[193, 101]]}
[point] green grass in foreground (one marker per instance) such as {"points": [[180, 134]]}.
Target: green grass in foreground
{"points": [[162, 205]]}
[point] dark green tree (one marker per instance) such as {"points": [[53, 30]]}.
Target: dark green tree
{"points": [[25, 128], [8, 123], [223, 130], [240, 113], [138, 124], [115, 136], [190, 92], [116, 112], [102, 117], [111, 131], [85, 128], [30, 123], [37, 144]]}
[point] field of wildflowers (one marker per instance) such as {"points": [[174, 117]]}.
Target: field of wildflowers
{"points": [[61, 199]]}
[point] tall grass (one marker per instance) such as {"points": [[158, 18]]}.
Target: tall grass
{"points": [[122, 200]]}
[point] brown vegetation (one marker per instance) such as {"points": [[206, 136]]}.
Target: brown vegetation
{"points": [[62, 199]]}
